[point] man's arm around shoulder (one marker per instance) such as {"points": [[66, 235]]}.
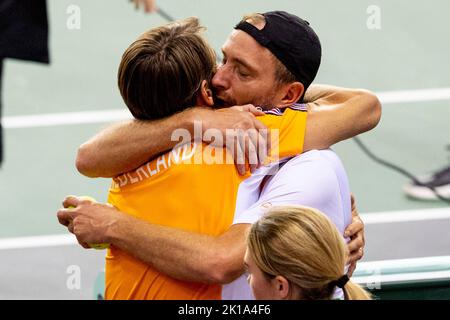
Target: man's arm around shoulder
{"points": [[184, 255], [336, 114], [125, 146]]}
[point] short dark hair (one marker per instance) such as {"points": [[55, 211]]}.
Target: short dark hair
{"points": [[161, 72]]}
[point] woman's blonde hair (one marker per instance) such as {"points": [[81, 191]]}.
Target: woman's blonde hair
{"points": [[304, 246]]}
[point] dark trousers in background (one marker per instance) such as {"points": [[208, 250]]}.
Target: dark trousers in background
{"points": [[1, 127], [23, 35]]}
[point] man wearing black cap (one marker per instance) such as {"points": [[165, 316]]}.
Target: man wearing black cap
{"points": [[258, 68], [316, 178], [293, 43]]}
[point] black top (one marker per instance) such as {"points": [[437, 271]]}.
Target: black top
{"points": [[24, 30]]}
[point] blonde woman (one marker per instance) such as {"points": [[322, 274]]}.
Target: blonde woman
{"points": [[296, 253]]}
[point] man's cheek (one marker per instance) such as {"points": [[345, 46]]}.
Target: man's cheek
{"points": [[242, 97]]}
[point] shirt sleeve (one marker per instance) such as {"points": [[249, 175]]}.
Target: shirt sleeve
{"points": [[305, 182], [287, 131]]}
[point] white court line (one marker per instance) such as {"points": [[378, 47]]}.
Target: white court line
{"points": [[38, 242], [64, 119], [434, 94], [410, 263], [406, 216], [105, 116], [368, 218]]}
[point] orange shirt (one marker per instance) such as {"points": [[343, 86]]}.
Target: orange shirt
{"points": [[185, 189]]}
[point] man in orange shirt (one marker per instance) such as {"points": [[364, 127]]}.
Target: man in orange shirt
{"points": [[164, 183], [290, 96]]}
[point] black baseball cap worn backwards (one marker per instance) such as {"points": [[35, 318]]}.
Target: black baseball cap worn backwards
{"points": [[292, 41]]}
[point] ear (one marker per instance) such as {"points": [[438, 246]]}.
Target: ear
{"points": [[292, 93], [281, 287], [205, 95]]}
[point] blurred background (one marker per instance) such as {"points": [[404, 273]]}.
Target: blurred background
{"points": [[396, 48]]}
